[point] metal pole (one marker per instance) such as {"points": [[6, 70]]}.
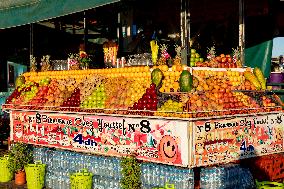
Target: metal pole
{"points": [[183, 31], [85, 32], [242, 30], [182, 22], [187, 21], [31, 39]]}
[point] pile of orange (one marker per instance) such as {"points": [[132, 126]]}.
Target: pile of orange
{"points": [[128, 72]]}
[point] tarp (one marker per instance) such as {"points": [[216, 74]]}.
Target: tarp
{"points": [[20, 12], [260, 56]]}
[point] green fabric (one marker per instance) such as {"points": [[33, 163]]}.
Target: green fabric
{"points": [[20, 12], [260, 56]]}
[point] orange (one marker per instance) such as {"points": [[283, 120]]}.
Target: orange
{"points": [[220, 74], [177, 74], [164, 68]]}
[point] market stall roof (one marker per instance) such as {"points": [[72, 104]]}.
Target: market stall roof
{"points": [[20, 12]]}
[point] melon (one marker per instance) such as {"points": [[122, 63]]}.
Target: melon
{"points": [[185, 81], [20, 81], [157, 76]]}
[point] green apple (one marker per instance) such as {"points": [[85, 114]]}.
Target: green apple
{"points": [[103, 94], [196, 60], [94, 98], [99, 94], [201, 59], [101, 106], [92, 104], [192, 55], [192, 64], [33, 88], [99, 98], [192, 51], [48, 79], [192, 59], [45, 83], [102, 89]]}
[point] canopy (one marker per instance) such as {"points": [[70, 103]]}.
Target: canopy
{"points": [[20, 12]]}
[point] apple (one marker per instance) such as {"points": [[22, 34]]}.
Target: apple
{"points": [[197, 55], [192, 51], [153, 107], [196, 59], [148, 96], [219, 59], [201, 59], [192, 55], [224, 59], [192, 64], [99, 94], [222, 56], [148, 91], [148, 106], [192, 59], [153, 86], [229, 59]]}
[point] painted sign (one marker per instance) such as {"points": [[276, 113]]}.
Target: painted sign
{"points": [[164, 141], [224, 140]]}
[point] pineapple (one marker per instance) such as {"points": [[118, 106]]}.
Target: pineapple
{"points": [[33, 67], [162, 61], [211, 53], [45, 63], [237, 58], [177, 59]]}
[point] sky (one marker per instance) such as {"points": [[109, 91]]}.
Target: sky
{"points": [[278, 47]]}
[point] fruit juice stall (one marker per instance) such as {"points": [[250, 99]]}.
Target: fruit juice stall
{"points": [[214, 112], [181, 116]]}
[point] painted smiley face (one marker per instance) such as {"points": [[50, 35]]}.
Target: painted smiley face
{"points": [[168, 149]]}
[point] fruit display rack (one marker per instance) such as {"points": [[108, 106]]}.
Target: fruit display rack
{"points": [[180, 116]]}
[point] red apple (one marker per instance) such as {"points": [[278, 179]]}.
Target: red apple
{"points": [[153, 86], [218, 58], [224, 59], [148, 106], [229, 59], [144, 107], [155, 101]]}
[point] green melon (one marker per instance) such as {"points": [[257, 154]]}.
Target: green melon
{"points": [[20, 81], [185, 81], [157, 76]]}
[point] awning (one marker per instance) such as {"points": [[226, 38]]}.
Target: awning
{"points": [[20, 12]]}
